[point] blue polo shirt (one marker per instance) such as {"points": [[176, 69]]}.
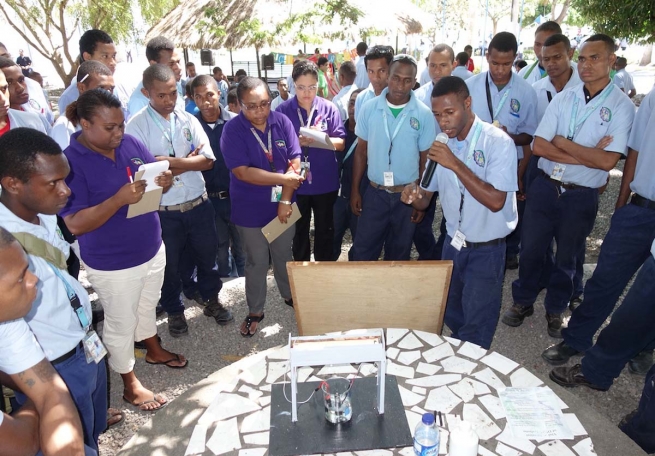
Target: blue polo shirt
{"points": [[415, 133], [217, 179], [251, 204], [642, 139], [362, 97], [347, 165], [323, 163], [120, 243]]}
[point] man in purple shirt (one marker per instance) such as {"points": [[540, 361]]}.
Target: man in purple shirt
{"points": [[319, 192]]}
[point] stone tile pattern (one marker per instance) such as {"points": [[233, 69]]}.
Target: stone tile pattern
{"points": [[449, 373]]}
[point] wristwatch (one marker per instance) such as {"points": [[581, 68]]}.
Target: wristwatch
{"points": [[288, 203]]}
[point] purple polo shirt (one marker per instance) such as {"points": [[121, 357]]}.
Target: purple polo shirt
{"points": [[251, 204], [323, 163], [120, 243]]}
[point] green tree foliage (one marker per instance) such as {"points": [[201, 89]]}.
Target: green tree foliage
{"points": [[631, 19]]}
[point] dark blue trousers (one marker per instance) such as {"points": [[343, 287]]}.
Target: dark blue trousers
{"points": [[631, 330], [641, 428], [625, 248], [195, 232], [424, 235], [384, 218], [475, 293], [568, 217], [344, 219], [231, 258]]}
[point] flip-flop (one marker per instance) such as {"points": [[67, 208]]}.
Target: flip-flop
{"points": [[112, 413], [250, 319], [149, 401], [165, 363]]}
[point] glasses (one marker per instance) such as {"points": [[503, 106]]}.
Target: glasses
{"points": [[380, 50], [311, 88], [253, 107], [405, 58]]}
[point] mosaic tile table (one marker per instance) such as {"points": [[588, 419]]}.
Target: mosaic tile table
{"points": [[433, 373]]}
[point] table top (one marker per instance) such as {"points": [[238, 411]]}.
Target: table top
{"points": [[229, 412]]}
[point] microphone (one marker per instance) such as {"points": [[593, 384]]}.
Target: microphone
{"points": [[432, 165]]}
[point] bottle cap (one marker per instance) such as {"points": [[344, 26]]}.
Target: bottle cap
{"points": [[428, 418]]}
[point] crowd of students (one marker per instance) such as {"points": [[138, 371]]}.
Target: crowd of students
{"points": [[518, 166]]}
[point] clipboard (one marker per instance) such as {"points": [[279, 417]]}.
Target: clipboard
{"points": [[275, 228], [321, 140], [149, 202]]}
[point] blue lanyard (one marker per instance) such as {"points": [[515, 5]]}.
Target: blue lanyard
{"points": [[469, 155], [352, 149], [574, 123], [395, 132], [73, 298], [169, 135], [494, 113]]}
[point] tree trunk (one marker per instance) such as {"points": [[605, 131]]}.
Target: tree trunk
{"points": [[494, 22], [562, 15], [259, 67], [646, 57], [515, 11]]}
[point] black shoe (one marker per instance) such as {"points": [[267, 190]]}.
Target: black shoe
{"points": [[215, 309], [626, 419], [159, 310], [554, 325], [516, 314], [574, 303], [197, 297], [289, 302], [512, 262], [141, 345], [572, 376], [641, 364], [559, 354], [177, 325]]}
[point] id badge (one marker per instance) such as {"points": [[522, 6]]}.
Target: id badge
{"points": [[388, 179], [459, 240], [276, 194], [94, 349], [306, 167], [177, 182], [558, 172]]}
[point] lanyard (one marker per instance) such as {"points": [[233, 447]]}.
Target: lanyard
{"points": [[494, 113], [469, 155], [268, 152], [574, 123], [395, 132], [74, 299], [168, 135], [309, 117], [352, 149]]}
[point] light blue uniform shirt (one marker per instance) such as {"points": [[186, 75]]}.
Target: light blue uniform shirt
{"points": [[493, 161], [518, 112], [542, 88], [642, 139], [416, 133], [187, 135], [362, 97], [72, 93], [424, 94], [612, 117], [138, 100]]}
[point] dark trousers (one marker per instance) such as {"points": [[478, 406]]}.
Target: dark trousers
{"points": [[641, 428], [87, 383], [195, 232], [424, 235], [514, 238], [344, 219], [568, 217], [322, 206], [625, 248], [631, 330], [231, 258], [384, 218], [475, 292]]}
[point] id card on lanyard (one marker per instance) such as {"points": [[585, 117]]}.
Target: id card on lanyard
{"points": [[276, 191], [494, 112], [305, 165], [459, 240], [388, 175], [169, 133]]}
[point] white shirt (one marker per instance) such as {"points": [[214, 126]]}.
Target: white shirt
{"points": [[519, 110], [72, 93], [62, 131], [425, 77], [25, 119], [52, 318], [537, 73], [611, 117], [544, 87], [342, 98], [187, 134], [19, 349], [363, 97], [424, 93], [38, 101], [361, 80], [138, 100], [291, 85], [624, 81], [493, 160], [461, 72], [641, 140], [278, 101]]}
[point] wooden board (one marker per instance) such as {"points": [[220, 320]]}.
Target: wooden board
{"points": [[337, 296]]}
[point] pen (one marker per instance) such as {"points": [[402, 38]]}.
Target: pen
{"points": [[129, 174], [292, 167]]}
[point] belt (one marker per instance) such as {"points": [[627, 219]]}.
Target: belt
{"points": [[640, 201], [393, 189], [477, 245], [220, 195], [66, 356], [563, 185], [184, 207]]}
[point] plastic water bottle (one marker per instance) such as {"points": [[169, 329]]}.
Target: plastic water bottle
{"points": [[426, 437], [463, 440]]}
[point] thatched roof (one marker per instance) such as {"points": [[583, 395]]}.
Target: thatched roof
{"points": [[182, 23]]}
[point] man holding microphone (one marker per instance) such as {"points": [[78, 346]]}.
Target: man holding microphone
{"points": [[474, 173]]}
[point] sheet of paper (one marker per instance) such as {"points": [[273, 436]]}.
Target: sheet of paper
{"points": [[490, 378], [400, 371], [574, 424], [197, 442], [522, 378], [533, 414], [321, 140], [409, 399], [225, 437], [472, 351], [438, 352], [427, 369], [500, 363], [522, 444], [152, 170], [457, 365], [442, 399]]}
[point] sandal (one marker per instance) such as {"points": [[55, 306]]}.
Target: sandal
{"points": [[112, 414], [139, 405], [250, 319], [176, 357]]}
